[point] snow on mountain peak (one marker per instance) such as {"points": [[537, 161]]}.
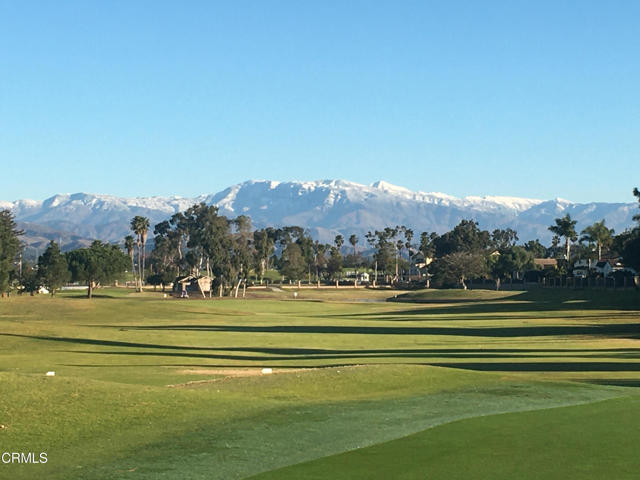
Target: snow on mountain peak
{"points": [[389, 187], [327, 207], [513, 203]]}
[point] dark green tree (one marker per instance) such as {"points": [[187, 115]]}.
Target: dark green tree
{"points": [[458, 267], [565, 227], [536, 248], [465, 237], [385, 250], [502, 240], [599, 235], [53, 271], [164, 260], [428, 250], [243, 253], [211, 243], [427, 246], [289, 234], [292, 264], [630, 249], [9, 248], [334, 264], [179, 237], [515, 260], [30, 281], [628, 242], [372, 241], [305, 242], [264, 244], [101, 263], [319, 259]]}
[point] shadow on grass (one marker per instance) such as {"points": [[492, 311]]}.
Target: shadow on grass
{"points": [[83, 296], [627, 330], [440, 315], [544, 366], [458, 352], [538, 300], [355, 356], [568, 366], [617, 382], [399, 355]]}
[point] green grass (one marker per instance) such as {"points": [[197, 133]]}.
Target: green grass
{"points": [[420, 365], [579, 442]]}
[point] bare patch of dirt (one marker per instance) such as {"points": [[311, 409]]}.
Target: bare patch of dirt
{"points": [[227, 373], [239, 372]]}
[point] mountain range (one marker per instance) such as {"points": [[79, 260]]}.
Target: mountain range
{"points": [[325, 207]]}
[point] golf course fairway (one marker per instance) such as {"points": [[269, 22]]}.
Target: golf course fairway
{"points": [[430, 384]]}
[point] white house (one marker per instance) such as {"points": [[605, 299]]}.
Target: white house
{"points": [[607, 267], [583, 267]]}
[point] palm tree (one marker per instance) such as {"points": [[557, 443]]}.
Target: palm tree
{"points": [[636, 193], [136, 270], [129, 245], [399, 247], [371, 240], [408, 236], [565, 227], [140, 226], [353, 240], [555, 241], [143, 236], [599, 234]]}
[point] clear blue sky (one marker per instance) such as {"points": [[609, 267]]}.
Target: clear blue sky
{"points": [[534, 99]]}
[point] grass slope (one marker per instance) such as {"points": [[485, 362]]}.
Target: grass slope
{"points": [[237, 427], [591, 441]]}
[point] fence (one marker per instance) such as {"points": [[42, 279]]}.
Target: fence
{"points": [[560, 282]]}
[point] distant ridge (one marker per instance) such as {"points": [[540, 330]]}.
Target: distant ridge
{"points": [[325, 207]]}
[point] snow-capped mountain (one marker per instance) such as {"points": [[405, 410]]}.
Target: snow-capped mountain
{"points": [[326, 207]]}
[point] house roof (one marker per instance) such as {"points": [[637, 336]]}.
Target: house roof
{"points": [[545, 261]]}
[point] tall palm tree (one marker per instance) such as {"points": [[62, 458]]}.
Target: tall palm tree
{"points": [[129, 245], [371, 240], [599, 234], [408, 236], [565, 227], [353, 240], [143, 236], [140, 226], [136, 269]]}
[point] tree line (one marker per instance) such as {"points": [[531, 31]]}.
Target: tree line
{"points": [[200, 241], [98, 264]]}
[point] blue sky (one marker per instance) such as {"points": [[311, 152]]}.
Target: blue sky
{"points": [[534, 99]]}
